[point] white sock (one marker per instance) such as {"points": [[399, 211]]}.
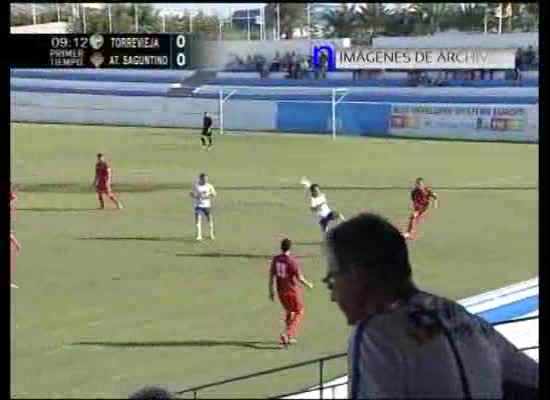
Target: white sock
{"points": [[211, 229], [199, 230]]}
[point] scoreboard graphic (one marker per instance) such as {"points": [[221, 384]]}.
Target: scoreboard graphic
{"points": [[98, 50]]}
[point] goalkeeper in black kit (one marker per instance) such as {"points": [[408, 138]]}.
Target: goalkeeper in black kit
{"points": [[206, 134]]}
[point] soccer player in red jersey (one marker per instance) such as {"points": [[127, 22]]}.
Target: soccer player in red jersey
{"points": [[15, 247], [102, 182], [13, 200], [285, 273], [421, 197]]}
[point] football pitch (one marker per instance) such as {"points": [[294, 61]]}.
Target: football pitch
{"points": [[113, 300]]}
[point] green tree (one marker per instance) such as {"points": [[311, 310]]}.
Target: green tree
{"points": [[176, 23], [206, 26], [292, 16], [430, 16], [372, 17], [342, 22], [123, 19], [149, 19], [467, 17], [400, 21], [530, 17]]}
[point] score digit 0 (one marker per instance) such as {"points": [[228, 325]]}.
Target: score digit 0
{"points": [[180, 57], [180, 41]]}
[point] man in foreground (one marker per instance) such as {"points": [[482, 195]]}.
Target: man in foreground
{"points": [[286, 275], [102, 182], [407, 343]]}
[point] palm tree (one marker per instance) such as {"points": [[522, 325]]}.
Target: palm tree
{"points": [[470, 16], [148, 18], [530, 16], [400, 20], [373, 17], [342, 22], [427, 16], [291, 17]]}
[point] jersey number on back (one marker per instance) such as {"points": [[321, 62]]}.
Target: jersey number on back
{"points": [[281, 269]]}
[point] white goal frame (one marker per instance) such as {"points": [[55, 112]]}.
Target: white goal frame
{"points": [[337, 95]]}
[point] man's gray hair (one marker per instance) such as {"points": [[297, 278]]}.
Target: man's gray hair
{"points": [[151, 392]]}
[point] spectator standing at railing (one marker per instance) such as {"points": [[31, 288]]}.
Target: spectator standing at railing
{"points": [[299, 67], [292, 66], [529, 57], [323, 61], [407, 343], [304, 67], [276, 63]]}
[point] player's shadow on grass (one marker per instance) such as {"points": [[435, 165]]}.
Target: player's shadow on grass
{"points": [[141, 238], [234, 255], [252, 344], [226, 255], [308, 243], [148, 187], [48, 209]]}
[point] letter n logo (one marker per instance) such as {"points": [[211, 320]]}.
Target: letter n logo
{"points": [[330, 53]]}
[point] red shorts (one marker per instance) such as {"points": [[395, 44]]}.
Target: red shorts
{"points": [[103, 188], [291, 302], [420, 210]]}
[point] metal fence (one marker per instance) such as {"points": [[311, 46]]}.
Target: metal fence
{"points": [[321, 362]]}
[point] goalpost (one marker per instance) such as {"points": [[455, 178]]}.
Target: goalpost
{"points": [[342, 92], [222, 100], [325, 95]]}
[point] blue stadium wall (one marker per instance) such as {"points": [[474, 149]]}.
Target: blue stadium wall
{"points": [[354, 119], [133, 98]]}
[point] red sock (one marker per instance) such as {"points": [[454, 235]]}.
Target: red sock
{"points": [[114, 200], [412, 221], [294, 323]]}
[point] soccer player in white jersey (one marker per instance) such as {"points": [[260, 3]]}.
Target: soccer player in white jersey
{"points": [[318, 204], [408, 343], [202, 194]]}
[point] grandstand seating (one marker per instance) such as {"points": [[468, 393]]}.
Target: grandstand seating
{"points": [[162, 83], [249, 81], [105, 75]]}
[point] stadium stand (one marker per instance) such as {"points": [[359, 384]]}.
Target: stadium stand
{"points": [[161, 83]]}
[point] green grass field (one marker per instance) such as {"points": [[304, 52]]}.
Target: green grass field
{"points": [[112, 300]]}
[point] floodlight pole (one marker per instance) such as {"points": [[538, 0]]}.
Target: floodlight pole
{"points": [[33, 9], [500, 20], [110, 16], [248, 24], [136, 17], [278, 21], [308, 9], [84, 27]]}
